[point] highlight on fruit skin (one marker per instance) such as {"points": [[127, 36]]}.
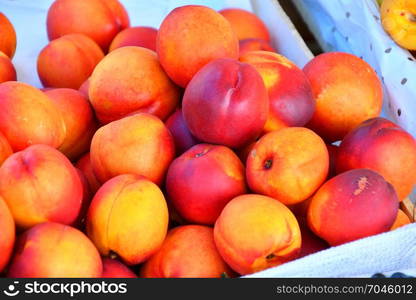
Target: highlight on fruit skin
{"points": [[398, 18]]}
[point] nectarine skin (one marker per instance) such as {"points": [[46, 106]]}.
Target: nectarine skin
{"points": [[256, 232], [7, 236], [188, 251], [84, 164], [130, 80], [68, 61], [84, 88], [288, 164], [291, 102], [310, 242], [399, 20], [384, 147], [28, 117], [52, 250], [401, 220], [128, 216], [182, 137], [186, 29], [79, 121], [347, 92], [246, 24], [40, 184], [353, 205], [7, 37], [100, 20], [140, 36], [7, 70], [203, 180], [226, 103], [253, 44], [139, 144], [5, 149], [115, 269]]}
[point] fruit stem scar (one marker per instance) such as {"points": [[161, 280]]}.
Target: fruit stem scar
{"points": [[362, 184], [113, 255], [268, 163], [270, 256], [201, 153]]}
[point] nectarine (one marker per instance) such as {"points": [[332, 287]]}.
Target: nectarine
{"points": [[190, 37], [291, 102], [40, 184], [140, 36], [101, 20], [246, 24], [84, 165], [226, 103], [203, 180], [115, 269], [401, 220], [28, 117], [399, 20], [353, 205], [384, 147], [288, 164], [254, 44], [7, 235], [68, 61], [52, 250], [188, 251], [139, 144], [182, 137], [128, 217], [79, 121], [256, 232], [7, 36], [5, 149], [347, 92], [130, 80], [7, 70]]}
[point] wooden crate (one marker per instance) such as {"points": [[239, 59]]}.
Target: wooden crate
{"points": [[409, 209]]}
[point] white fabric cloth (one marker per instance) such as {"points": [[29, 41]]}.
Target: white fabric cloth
{"points": [[386, 253]]}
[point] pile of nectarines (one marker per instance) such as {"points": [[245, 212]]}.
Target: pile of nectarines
{"points": [[194, 150]]}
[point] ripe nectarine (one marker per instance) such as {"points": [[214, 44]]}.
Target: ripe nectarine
{"points": [[256, 232]]}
